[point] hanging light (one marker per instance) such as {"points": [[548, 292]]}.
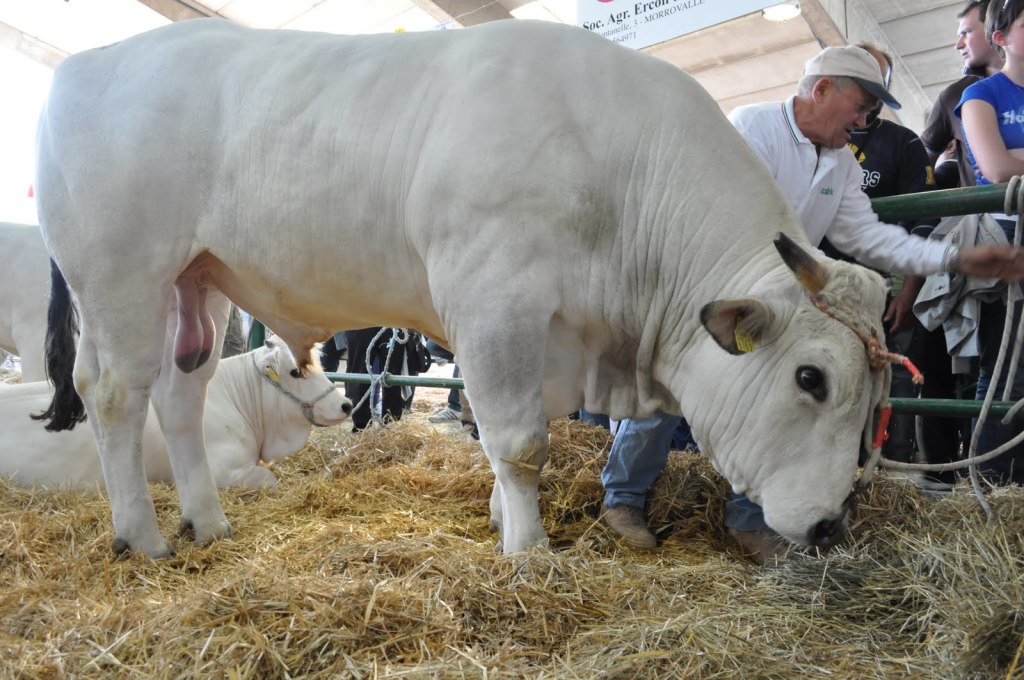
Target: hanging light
{"points": [[784, 11]]}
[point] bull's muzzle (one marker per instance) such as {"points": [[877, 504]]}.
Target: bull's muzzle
{"points": [[830, 532]]}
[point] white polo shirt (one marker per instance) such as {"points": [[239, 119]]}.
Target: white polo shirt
{"points": [[824, 187]]}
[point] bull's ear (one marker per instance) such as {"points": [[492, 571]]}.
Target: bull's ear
{"points": [[811, 274], [737, 325]]}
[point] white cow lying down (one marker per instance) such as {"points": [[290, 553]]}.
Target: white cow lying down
{"points": [[576, 220], [24, 293], [256, 411]]}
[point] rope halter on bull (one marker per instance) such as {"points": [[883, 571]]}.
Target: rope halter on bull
{"points": [[272, 377], [813, 277]]}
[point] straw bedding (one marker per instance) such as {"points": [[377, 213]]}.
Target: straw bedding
{"points": [[373, 559]]}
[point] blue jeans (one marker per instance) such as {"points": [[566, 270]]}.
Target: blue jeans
{"points": [[598, 419], [640, 453], [1008, 468]]}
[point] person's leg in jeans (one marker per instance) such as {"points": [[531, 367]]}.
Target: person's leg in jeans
{"points": [[899, 445], [598, 419], [940, 438], [743, 514], [638, 455], [1007, 468], [453, 394]]}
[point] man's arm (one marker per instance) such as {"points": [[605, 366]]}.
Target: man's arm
{"points": [[938, 131]]}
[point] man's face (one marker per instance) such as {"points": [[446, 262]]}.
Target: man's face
{"points": [[971, 42], [845, 109]]}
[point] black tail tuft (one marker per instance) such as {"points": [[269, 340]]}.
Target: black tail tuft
{"points": [[66, 410]]}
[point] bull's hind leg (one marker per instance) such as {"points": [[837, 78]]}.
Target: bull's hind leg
{"points": [[114, 387], [503, 379], [179, 399]]}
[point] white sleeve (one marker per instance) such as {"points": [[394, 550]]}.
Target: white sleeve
{"points": [[858, 232]]}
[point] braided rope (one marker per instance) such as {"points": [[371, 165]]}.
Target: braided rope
{"points": [[878, 355]]}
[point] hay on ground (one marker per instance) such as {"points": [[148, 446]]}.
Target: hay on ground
{"points": [[373, 559]]}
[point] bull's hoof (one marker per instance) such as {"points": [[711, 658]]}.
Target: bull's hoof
{"points": [[207, 534], [523, 546], [122, 548]]}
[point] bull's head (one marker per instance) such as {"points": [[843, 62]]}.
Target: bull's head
{"points": [[789, 426]]}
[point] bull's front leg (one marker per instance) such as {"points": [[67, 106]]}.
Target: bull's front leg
{"points": [[514, 436], [515, 501]]}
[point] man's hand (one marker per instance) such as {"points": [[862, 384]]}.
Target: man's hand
{"points": [[1002, 262], [900, 314]]}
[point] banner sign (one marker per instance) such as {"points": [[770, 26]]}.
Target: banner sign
{"points": [[640, 23]]}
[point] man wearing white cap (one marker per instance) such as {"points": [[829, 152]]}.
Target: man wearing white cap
{"points": [[803, 142]]}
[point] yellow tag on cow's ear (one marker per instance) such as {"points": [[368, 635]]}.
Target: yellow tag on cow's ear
{"points": [[272, 374], [744, 342]]}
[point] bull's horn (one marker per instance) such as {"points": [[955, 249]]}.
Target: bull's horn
{"points": [[809, 272]]}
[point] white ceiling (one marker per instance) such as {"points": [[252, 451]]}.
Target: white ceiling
{"points": [[747, 59]]}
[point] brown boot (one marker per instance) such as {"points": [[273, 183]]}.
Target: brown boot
{"points": [[628, 522], [764, 546]]}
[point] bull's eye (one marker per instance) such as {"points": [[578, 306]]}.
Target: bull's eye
{"points": [[296, 373], [811, 380]]}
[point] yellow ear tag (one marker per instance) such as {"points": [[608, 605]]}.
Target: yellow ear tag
{"points": [[744, 342], [272, 374]]}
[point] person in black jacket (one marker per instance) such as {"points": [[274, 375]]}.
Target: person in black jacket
{"points": [[980, 61]]}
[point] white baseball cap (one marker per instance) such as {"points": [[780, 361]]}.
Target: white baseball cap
{"points": [[853, 62]]}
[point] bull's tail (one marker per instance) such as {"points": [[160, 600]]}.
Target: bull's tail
{"points": [[66, 410]]}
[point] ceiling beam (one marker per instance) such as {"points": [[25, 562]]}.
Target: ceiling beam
{"points": [[822, 24], [34, 48], [853, 21], [463, 12], [177, 10]]}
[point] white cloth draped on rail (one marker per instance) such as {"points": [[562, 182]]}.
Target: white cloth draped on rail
{"points": [[954, 301]]}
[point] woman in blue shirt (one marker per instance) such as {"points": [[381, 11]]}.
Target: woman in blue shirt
{"points": [[992, 111]]}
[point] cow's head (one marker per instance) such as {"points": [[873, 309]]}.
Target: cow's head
{"points": [[796, 392], [294, 401]]}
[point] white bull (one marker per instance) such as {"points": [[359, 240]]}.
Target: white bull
{"points": [[565, 213], [24, 291], [256, 412]]}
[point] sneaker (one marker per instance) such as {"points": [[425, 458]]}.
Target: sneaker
{"points": [[764, 546], [628, 522], [445, 415]]}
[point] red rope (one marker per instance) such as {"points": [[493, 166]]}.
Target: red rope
{"points": [[883, 423], [878, 354]]}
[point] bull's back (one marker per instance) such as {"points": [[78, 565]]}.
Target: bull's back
{"points": [[416, 156]]}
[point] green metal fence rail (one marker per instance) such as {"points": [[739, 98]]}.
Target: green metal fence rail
{"points": [[922, 407], [390, 380], [963, 201]]}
